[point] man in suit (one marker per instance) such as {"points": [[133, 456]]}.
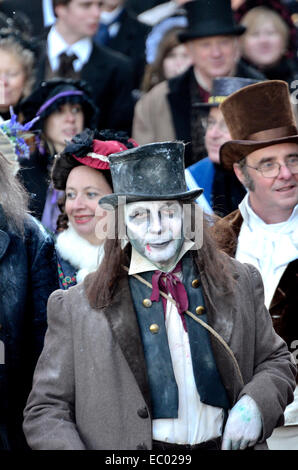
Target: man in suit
{"points": [[171, 110], [70, 52], [121, 31], [263, 231], [125, 367]]}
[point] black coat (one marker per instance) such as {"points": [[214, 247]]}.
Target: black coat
{"points": [[28, 275], [137, 6], [32, 10], [179, 98], [131, 41], [34, 174], [110, 76]]}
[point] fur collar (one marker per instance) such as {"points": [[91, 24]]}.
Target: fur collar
{"points": [[81, 254]]}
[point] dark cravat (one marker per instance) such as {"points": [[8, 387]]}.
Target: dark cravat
{"points": [[102, 36], [169, 283], [66, 69]]}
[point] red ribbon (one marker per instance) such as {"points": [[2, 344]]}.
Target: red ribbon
{"points": [[169, 283]]}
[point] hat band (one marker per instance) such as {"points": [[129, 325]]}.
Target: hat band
{"points": [[56, 97], [270, 134], [216, 99], [103, 158]]}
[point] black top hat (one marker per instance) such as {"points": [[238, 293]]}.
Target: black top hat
{"points": [[151, 172], [55, 92], [225, 86], [209, 18]]}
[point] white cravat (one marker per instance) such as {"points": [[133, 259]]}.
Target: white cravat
{"points": [[196, 422], [56, 45], [269, 247]]}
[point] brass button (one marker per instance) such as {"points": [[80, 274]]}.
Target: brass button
{"points": [[147, 303], [195, 283], [143, 412], [154, 328], [200, 310]]}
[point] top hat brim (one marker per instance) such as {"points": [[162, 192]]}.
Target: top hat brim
{"points": [[236, 30], [235, 150], [112, 199]]}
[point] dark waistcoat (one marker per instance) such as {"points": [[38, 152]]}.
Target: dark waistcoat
{"points": [[163, 386]]}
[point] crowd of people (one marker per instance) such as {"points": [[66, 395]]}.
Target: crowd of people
{"points": [[148, 225]]}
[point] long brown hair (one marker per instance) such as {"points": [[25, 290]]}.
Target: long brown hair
{"points": [[214, 263]]}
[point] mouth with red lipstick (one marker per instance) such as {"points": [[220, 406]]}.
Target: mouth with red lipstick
{"points": [[83, 218]]}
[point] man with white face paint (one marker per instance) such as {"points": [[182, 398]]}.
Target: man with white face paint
{"points": [[155, 231], [151, 337]]}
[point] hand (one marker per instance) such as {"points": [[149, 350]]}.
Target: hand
{"points": [[244, 425]]}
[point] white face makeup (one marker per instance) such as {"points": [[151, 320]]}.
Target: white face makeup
{"points": [[154, 229]]}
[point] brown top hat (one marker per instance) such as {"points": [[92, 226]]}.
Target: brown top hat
{"points": [[257, 116]]}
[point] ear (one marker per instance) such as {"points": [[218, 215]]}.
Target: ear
{"points": [[238, 172], [59, 9]]}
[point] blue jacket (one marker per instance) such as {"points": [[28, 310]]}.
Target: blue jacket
{"points": [[28, 275], [223, 192]]}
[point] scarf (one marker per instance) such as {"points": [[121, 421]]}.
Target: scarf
{"points": [[81, 254], [268, 247]]}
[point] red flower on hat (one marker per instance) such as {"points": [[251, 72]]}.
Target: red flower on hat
{"points": [[98, 157]]}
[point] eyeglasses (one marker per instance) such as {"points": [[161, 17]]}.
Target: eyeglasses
{"points": [[272, 169]]}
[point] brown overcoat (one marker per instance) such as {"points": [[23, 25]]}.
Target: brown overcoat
{"points": [[90, 388]]}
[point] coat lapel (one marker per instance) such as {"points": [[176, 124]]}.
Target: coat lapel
{"points": [[122, 319], [179, 101]]}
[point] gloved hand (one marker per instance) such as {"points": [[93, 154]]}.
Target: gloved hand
{"points": [[244, 425]]}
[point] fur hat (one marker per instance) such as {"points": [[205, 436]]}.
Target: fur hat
{"points": [[209, 18], [257, 116]]}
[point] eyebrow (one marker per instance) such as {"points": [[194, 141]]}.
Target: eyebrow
{"points": [[86, 187], [266, 159]]}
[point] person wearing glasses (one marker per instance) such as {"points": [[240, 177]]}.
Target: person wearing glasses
{"points": [[264, 230]]}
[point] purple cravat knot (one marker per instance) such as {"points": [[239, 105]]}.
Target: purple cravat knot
{"points": [[169, 283]]}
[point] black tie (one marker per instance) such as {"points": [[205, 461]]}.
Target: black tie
{"points": [[66, 69]]}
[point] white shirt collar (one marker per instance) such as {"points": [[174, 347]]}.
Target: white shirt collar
{"points": [[139, 264], [48, 13], [253, 220], [56, 45]]}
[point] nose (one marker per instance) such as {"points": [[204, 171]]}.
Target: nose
{"points": [[78, 203], [215, 50], [155, 226], [215, 132], [70, 116], [3, 79], [284, 173]]}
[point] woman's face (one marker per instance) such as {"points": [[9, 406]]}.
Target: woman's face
{"points": [[84, 187], [63, 124], [12, 80], [263, 45], [176, 61]]}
